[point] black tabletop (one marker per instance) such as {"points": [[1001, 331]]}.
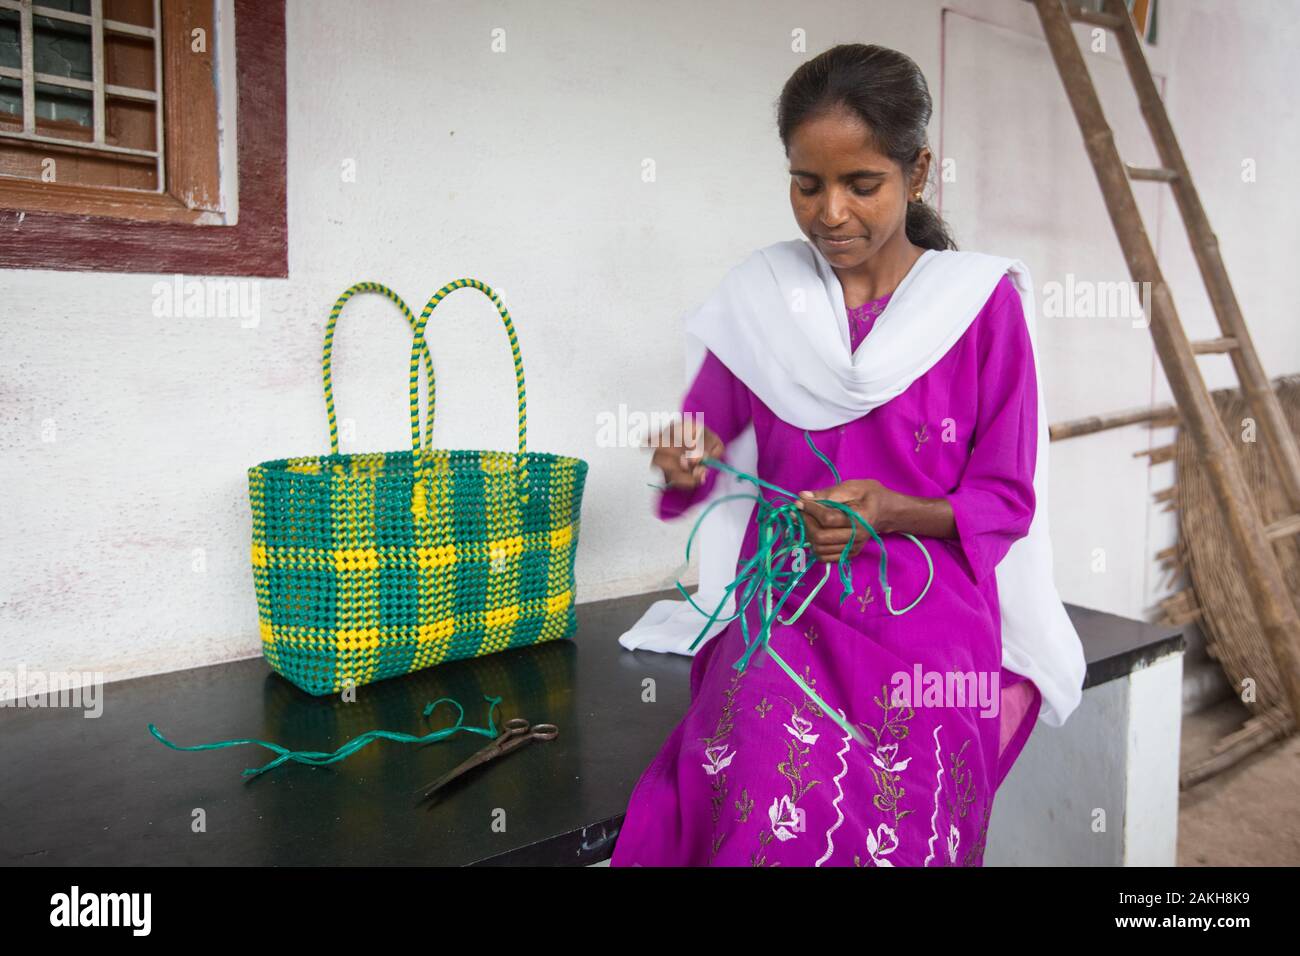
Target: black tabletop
{"points": [[103, 791]]}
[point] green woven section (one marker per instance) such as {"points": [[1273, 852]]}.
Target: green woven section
{"points": [[353, 587]]}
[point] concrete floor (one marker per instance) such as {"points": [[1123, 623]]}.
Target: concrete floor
{"points": [[1248, 815]]}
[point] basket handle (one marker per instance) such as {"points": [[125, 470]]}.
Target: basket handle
{"points": [[417, 342], [327, 357]]}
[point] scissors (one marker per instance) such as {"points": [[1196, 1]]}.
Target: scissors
{"points": [[518, 732]]}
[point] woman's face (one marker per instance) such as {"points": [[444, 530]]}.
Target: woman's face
{"points": [[841, 188]]}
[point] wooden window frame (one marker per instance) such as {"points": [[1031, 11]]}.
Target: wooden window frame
{"points": [[35, 139], [87, 228]]}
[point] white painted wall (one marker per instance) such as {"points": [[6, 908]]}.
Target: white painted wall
{"points": [[524, 169]]}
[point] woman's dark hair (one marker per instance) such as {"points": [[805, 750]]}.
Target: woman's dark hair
{"points": [[886, 90]]}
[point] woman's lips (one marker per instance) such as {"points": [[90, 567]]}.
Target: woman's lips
{"points": [[838, 243]]}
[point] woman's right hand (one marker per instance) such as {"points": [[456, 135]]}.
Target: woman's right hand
{"points": [[680, 463]]}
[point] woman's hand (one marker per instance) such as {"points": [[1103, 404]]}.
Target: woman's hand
{"points": [[829, 529], [680, 462]]}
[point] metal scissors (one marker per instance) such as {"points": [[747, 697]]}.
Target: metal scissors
{"points": [[518, 732]]}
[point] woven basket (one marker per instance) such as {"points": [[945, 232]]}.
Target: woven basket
{"points": [[369, 566]]}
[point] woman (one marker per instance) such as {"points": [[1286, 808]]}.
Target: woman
{"points": [[935, 427]]}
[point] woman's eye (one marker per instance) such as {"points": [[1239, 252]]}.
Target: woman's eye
{"points": [[857, 192]]}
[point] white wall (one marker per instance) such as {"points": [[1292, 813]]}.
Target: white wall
{"points": [[524, 169]]}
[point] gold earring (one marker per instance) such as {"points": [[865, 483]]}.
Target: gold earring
{"points": [[916, 196]]}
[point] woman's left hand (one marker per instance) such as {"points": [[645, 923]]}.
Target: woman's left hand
{"points": [[829, 529]]}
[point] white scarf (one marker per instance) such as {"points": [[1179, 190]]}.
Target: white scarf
{"points": [[777, 321]]}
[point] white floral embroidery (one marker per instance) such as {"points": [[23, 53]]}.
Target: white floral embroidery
{"points": [[954, 837], [888, 777], [889, 752], [882, 843], [800, 729], [786, 818], [719, 759]]}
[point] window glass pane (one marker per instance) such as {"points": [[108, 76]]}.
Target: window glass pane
{"points": [[62, 49], [64, 112], [71, 6], [11, 102], [11, 54]]}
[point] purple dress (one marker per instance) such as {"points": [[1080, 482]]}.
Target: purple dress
{"points": [[756, 774]]}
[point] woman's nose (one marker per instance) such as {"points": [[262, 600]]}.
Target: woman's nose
{"points": [[832, 212]]}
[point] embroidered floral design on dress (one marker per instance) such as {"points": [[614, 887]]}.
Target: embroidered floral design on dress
{"points": [[718, 759], [888, 776], [882, 843], [865, 598], [744, 806], [799, 727], [884, 758], [963, 780], [963, 786], [863, 315], [975, 855], [785, 816], [811, 634], [718, 756], [922, 435]]}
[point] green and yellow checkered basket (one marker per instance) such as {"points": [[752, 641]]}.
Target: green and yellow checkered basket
{"points": [[369, 566]]}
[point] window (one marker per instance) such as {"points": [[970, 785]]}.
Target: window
{"points": [[113, 154], [83, 103]]}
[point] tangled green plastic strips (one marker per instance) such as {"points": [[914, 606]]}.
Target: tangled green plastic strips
{"points": [[780, 534], [316, 759]]}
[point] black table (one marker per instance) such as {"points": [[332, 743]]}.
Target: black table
{"points": [[103, 791]]}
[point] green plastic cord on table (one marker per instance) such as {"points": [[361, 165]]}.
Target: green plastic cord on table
{"points": [[317, 759], [780, 534]]}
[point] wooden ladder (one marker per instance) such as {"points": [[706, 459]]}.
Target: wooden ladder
{"points": [[1253, 535]]}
